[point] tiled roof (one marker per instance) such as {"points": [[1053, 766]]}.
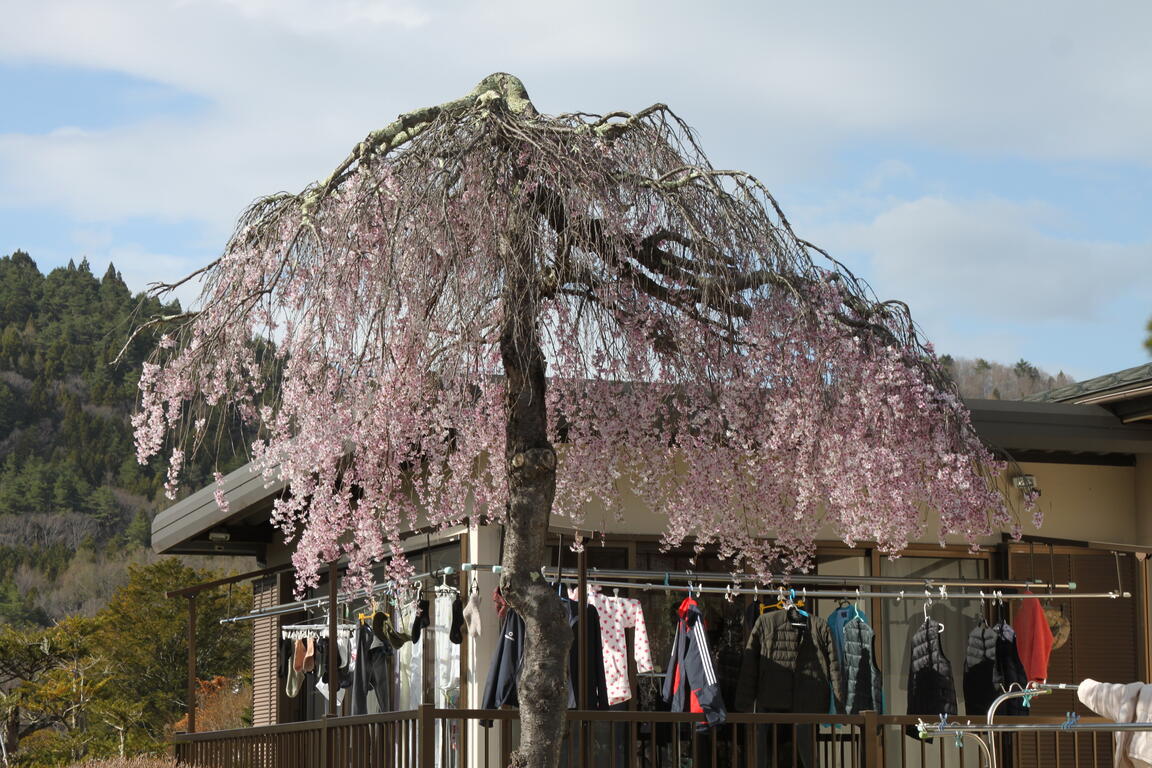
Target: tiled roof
{"points": [[1117, 382]]}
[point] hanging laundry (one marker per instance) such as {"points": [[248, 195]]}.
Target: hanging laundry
{"points": [[854, 640], [790, 665], [370, 671], [597, 688], [410, 663], [445, 653], [500, 687], [1033, 638], [729, 651], [445, 675], [755, 610], [690, 684], [991, 665], [291, 650], [472, 614], [1122, 703], [931, 689], [618, 614]]}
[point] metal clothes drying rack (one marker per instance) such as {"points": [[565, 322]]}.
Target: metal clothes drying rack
{"points": [[983, 734], [740, 584], [350, 597]]}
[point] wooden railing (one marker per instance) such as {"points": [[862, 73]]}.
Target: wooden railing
{"points": [[455, 738]]}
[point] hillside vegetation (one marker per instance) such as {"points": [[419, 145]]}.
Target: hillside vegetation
{"points": [[75, 505]]}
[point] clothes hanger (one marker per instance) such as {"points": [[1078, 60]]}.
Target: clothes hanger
{"points": [[927, 618]]}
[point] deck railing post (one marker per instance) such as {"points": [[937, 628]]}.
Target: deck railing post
{"points": [[427, 736], [325, 741], [192, 663], [871, 736]]}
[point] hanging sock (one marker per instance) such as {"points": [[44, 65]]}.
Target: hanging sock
{"points": [[421, 620], [472, 614], [454, 633]]}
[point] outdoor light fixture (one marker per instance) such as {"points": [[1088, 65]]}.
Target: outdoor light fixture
{"points": [[218, 537], [1026, 483]]}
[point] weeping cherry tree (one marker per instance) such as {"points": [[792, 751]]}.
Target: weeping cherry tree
{"points": [[487, 311]]}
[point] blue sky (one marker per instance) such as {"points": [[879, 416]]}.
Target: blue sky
{"points": [[986, 162]]}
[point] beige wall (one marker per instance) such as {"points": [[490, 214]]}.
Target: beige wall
{"points": [[1087, 502], [1082, 502]]}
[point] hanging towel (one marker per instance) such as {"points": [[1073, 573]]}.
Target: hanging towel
{"points": [[1123, 703], [1033, 638]]}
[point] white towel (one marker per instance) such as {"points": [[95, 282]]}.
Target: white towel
{"points": [[1123, 703]]}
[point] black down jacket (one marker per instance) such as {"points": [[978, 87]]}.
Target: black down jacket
{"points": [[789, 668], [991, 665], [931, 690]]}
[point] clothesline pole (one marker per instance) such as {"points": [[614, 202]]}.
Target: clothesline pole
{"points": [[582, 650], [317, 602], [912, 594], [333, 649], [581, 634], [879, 581], [192, 663]]}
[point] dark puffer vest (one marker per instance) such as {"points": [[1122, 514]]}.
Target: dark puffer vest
{"points": [[991, 665], [862, 683], [931, 690]]}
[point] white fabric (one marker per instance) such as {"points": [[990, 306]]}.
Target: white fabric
{"points": [[472, 614], [446, 675], [1123, 703], [410, 667], [322, 689], [616, 615]]}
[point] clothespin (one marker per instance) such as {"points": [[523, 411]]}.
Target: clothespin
{"points": [[1072, 720]]}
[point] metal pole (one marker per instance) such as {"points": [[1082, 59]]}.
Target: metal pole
{"points": [[912, 594], [880, 581], [333, 651], [192, 663], [582, 650]]}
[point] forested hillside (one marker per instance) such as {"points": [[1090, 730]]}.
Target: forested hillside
{"points": [[980, 378], [75, 506]]}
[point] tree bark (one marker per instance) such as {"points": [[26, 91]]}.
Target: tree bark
{"points": [[531, 466]]}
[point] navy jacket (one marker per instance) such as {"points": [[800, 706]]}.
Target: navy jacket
{"points": [[597, 685], [500, 687], [690, 684]]}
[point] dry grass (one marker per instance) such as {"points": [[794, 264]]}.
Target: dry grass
{"points": [[140, 761]]}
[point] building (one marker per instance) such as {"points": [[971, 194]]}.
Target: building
{"points": [[1086, 447]]}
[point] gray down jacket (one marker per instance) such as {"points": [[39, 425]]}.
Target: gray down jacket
{"points": [[789, 668], [863, 688]]}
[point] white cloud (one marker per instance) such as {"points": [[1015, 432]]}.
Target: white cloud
{"points": [[993, 259], [986, 278], [293, 84]]}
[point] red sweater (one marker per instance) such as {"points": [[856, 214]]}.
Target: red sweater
{"points": [[1033, 638]]}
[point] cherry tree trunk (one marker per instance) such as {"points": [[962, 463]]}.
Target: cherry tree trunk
{"points": [[531, 466]]}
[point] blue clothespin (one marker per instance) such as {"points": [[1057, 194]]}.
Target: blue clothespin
{"points": [[792, 599], [943, 721], [959, 740], [1026, 700], [1073, 718]]}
